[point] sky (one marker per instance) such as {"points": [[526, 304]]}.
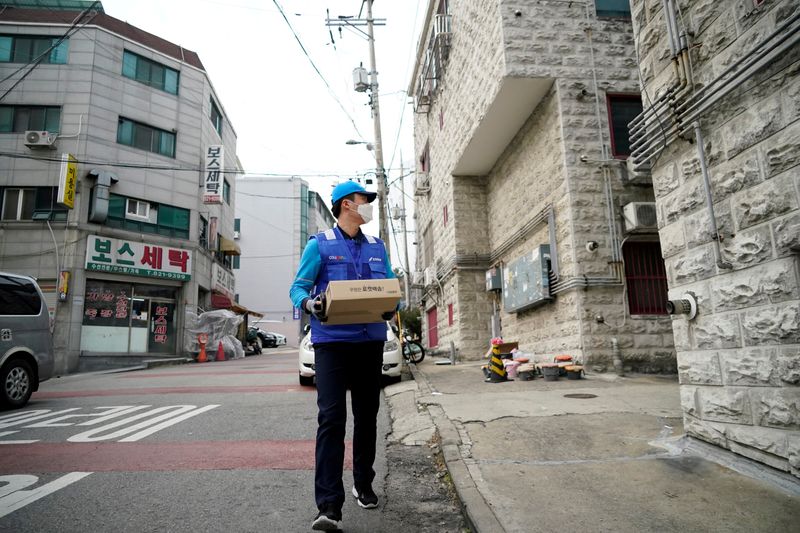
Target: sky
{"points": [[286, 120]]}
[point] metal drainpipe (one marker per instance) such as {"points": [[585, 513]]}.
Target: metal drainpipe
{"points": [[616, 357], [701, 153]]}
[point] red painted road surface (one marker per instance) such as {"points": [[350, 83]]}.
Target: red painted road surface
{"points": [[161, 456], [222, 389]]}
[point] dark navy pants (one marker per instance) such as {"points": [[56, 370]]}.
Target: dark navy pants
{"points": [[339, 366]]}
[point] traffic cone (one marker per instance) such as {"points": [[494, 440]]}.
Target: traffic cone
{"points": [[202, 357], [220, 352], [498, 371]]}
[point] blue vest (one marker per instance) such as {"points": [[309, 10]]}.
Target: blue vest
{"points": [[362, 259]]}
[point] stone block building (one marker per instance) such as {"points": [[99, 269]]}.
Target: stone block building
{"points": [[722, 135], [521, 112], [130, 124]]}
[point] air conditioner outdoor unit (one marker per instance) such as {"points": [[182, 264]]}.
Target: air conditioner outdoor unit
{"points": [[417, 277], [430, 276], [423, 180], [41, 139], [640, 216], [235, 234]]}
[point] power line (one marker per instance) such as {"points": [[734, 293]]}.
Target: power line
{"points": [[303, 48], [177, 168]]}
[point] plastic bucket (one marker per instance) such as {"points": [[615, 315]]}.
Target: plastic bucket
{"points": [[550, 372]]}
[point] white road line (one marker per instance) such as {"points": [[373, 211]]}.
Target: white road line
{"points": [[7, 433], [20, 498], [159, 427]]}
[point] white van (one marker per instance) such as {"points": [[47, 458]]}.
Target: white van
{"points": [[26, 344]]}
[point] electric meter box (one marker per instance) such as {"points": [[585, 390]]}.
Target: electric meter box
{"points": [[494, 279]]}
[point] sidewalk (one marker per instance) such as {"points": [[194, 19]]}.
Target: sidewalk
{"points": [[523, 457]]}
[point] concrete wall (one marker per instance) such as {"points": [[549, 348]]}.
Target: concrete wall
{"points": [[495, 44], [93, 94], [739, 360]]}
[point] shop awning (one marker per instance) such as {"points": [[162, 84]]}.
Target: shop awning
{"points": [[236, 308], [229, 247], [220, 301]]}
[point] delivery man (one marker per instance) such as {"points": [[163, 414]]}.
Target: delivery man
{"points": [[344, 355]]}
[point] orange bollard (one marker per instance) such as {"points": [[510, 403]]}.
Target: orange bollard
{"points": [[220, 352], [202, 339]]}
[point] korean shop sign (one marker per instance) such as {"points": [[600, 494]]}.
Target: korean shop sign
{"points": [[105, 254], [213, 174], [222, 281], [67, 180]]}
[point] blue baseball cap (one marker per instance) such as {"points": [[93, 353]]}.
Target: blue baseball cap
{"points": [[349, 187]]}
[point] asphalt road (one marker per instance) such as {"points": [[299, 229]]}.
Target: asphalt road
{"points": [[225, 446]]}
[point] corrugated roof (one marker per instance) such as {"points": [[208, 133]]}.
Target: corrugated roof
{"points": [[43, 16]]}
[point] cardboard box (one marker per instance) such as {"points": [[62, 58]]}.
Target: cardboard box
{"points": [[360, 301]]}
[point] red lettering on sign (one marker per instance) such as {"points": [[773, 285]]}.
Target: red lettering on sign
{"points": [[178, 258], [152, 256]]}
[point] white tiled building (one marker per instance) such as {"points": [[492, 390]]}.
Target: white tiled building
{"points": [[138, 113], [521, 142], [732, 245]]}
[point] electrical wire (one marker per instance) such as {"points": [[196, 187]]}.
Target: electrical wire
{"points": [[403, 108], [305, 52], [175, 168]]}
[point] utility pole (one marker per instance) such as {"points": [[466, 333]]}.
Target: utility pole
{"points": [[380, 172], [403, 226]]}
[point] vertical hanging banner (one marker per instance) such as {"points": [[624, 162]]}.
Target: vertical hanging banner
{"points": [[215, 160], [67, 181], [212, 233]]}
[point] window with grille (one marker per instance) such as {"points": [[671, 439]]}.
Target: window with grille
{"points": [[645, 278]]}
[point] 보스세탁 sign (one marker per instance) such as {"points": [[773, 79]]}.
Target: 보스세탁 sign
{"points": [[215, 158], [105, 254]]}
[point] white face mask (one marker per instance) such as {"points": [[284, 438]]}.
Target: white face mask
{"points": [[365, 211]]}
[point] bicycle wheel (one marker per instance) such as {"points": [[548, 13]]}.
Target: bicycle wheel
{"points": [[413, 352]]}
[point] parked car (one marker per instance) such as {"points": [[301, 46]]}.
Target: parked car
{"points": [[279, 339], [265, 338], [26, 344], [392, 358]]}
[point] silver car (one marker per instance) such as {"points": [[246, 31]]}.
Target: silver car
{"points": [[26, 343]]}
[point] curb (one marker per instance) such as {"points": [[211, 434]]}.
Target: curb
{"points": [[479, 514]]}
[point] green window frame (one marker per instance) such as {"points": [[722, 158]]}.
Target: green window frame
{"points": [[226, 191], [21, 118], [216, 117], [150, 72], [31, 48], [613, 8], [31, 203], [171, 221], [144, 137]]}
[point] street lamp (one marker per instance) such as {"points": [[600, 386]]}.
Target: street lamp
{"points": [[370, 146]]}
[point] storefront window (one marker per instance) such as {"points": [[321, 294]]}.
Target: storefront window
{"points": [[128, 318]]}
